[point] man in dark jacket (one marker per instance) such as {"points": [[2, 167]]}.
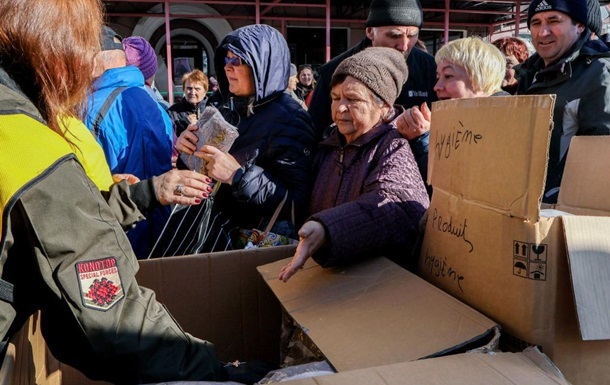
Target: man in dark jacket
{"points": [[394, 24], [566, 63]]}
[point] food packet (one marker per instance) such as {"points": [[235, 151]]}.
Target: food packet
{"points": [[212, 130]]}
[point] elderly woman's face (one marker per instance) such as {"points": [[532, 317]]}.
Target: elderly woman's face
{"points": [[194, 92], [239, 75], [453, 82], [355, 109]]}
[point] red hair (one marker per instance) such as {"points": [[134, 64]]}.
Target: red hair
{"points": [[512, 46], [196, 76], [47, 47]]}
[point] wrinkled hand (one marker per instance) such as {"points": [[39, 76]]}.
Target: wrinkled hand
{"points": [[116, 178], [312, 236], [195, 187], [187, 141], [414, 122], [219, 165]]}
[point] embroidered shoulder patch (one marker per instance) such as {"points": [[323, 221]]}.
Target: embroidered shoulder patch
{"points": [[100, 283]]}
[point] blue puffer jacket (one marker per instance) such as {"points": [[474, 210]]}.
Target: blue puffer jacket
{"points": [[276, 136], [136, 133]]}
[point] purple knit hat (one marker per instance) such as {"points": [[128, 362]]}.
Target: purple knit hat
{"points": [[141, 54]]}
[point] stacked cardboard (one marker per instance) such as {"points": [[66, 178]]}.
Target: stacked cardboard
{"points": [[529, 367], [488, 242]]}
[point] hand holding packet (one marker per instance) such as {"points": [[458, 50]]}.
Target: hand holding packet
{"points": [[212, 130]]}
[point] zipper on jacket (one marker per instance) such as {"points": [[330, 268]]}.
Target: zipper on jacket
{"points": [[341, 173]]}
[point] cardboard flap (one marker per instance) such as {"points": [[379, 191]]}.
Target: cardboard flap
{"points": [[459, 369], [586, 181], [374, 313], [588, 249], [466, 135]]}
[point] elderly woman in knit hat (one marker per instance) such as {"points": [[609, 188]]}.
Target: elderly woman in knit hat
{"points": [[368, 196]]}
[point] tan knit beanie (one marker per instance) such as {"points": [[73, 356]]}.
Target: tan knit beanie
{"points": [[383, 70]]}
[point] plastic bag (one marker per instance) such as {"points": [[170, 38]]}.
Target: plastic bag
{"points": [[212, 130], [197, 229], [312, 369]]}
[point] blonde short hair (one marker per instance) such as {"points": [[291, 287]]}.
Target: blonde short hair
{"points": [[483, 62]]}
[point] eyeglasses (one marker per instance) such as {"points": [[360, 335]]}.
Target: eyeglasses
{"points": [[235, 61]]}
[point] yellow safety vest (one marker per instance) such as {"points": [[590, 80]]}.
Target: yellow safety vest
{"points": [[28, 149]]}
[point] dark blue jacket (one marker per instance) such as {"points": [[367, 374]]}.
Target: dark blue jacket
{"points": [[276, 138]]}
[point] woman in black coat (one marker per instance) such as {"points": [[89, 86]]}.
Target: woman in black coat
{"points": [[273, 154]]}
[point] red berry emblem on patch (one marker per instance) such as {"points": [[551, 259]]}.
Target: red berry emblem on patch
{"points": [[102, 292], [100, 283]]}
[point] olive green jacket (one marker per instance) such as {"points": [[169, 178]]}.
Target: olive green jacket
{"points": [[67, 255]]}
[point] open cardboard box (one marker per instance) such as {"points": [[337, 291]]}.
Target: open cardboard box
{"points": [[376, 313], [488, 243], [219, 297], [528, 367]]}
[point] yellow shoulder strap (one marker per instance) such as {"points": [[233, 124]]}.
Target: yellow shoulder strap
{"points": [[89, 153], [29, 148]]}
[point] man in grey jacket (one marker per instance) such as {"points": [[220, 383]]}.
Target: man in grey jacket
{"points": [[566, 63]]}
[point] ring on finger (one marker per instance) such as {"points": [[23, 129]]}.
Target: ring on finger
{"points": [[179, 190]]}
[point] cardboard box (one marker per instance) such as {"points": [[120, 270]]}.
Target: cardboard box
{"points": [[376, 313], [7, 367], [530, 367], [219, 297], [488, 243]]}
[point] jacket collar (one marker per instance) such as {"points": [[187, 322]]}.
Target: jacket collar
{"points": [[533, 70], [336, 139], [13, 100]]}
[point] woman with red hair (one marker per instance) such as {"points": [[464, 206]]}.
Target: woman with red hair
{"points": [[516, 52]]}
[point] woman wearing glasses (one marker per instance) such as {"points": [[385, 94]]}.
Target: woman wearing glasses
{"points": [[273, 154]]}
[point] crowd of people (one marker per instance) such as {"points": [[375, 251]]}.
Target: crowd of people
{"points": [[336, 158]]}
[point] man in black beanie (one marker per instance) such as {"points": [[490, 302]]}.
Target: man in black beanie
{"points": [[393, 24], [566, 63]]}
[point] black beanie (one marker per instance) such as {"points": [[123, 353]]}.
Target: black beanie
{"points": [[594, 17], [576, 9], [383, 70], [406, 13]]}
